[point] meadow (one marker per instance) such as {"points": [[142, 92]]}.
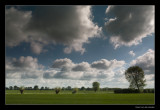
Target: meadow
{"points": [[82, 97]]}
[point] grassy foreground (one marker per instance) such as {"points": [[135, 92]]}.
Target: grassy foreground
{"points": [[91, 98]]}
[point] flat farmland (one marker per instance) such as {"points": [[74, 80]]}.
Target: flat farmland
{"points": [[49, 97]]}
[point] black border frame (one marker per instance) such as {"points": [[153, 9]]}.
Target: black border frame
{"points": [[77, 2]]}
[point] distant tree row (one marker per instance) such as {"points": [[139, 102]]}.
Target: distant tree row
{"points": [[57, 89], [36, 87], [27, 88]]}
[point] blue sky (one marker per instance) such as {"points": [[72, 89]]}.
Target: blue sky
{"points": [[60, 44]]}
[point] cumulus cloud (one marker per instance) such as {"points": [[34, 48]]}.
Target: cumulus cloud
{"points": [[37, 47], [149, 77], [68, 25], [130, 24], [119, 73], [71, 26], [28, 72], [49, 74], [84, 66], [150, 80], [24, 67], [66, 69], [60, 63], [15, 20], [131, 53], [28, 68], [105, 64], [146, 62]]}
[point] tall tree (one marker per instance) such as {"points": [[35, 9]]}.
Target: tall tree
{"points": [[82, 88], [36, 87], [42, 88], [135, 76], [95, 86], [15, 87], [46, 88], [69, 88], [10, 87]]}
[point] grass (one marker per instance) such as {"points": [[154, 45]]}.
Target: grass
{"points": [[65, 97]]}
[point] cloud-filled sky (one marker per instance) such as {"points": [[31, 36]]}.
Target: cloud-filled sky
{"points": [[76, 45]]}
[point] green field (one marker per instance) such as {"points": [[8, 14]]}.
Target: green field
{"points": [[82, 97]]}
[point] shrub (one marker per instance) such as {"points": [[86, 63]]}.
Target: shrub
{"points": [[118, 91], [57, 90], [148, 91], [75, 90], [145, 91], [21, 89], [127, 91]]}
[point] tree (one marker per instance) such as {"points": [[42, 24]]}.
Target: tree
{"points": [[10, 87], [7, 88], [15, 87], [89, 89], [30, 88], [63, 88], [57, 90], [135, 76], [69, 88], [75, 90], [46, 88], [95, 86], [42, 88], [21, 89], [82, 88], [36, 87]]}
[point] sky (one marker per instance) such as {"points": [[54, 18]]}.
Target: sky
{"points": [[76, 45]]}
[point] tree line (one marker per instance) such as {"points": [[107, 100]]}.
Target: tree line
{"points": [[36, 87], [134, 91], [57, 89]]}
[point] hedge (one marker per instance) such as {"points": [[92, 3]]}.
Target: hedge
{"points": [[133, 91]]}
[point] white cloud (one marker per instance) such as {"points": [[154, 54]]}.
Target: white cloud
{"points": [[52, 83], [132, 53], [71, 26], [28, 72], [105, 64], [130, 25], [146, 62], [60, 63], [49, 73], [66, 69], [37, 48], [120, 72], [84, 66], [150, 84], [24, 67], [149, 77]]}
